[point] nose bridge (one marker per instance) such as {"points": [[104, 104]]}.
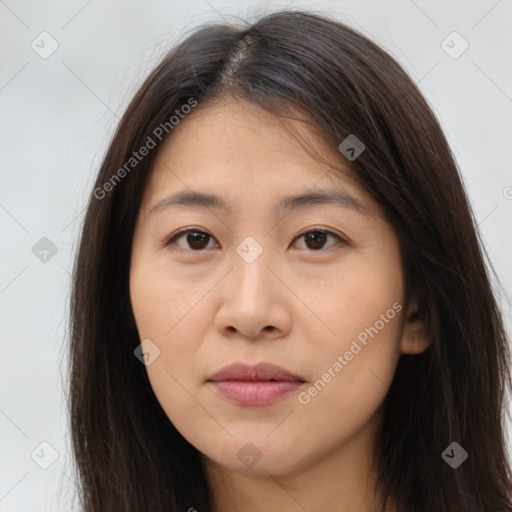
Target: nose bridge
{"points": [[250, 262], [251, 298]]}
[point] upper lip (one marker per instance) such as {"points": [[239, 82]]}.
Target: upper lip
{"points": [[257, 372]]}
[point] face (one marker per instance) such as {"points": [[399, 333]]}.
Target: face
{"points": [[304, 297]]}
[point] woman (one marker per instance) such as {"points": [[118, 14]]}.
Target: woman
{"points": [[280, 300]]}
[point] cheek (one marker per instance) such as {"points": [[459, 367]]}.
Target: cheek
{"points": [[159, 301], [353, 364], [353, 375], [167, 311], [353, 372], [364, 303], [168, 314]]}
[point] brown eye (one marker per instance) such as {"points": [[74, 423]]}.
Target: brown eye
{"points": [[194, 240], [198, 241], [316, 239]]}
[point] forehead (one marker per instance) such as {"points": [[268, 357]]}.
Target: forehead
{"points": [[236, 149]]}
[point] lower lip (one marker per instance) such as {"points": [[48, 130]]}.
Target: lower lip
{"points": [[255, 392]]}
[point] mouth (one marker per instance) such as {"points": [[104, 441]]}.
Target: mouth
{"points": [[260, 384]]}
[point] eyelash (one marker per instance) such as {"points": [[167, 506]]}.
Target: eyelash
{"points": [[172, 239]]}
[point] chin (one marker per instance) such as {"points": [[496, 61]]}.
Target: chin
{"points": [[257, 455]]}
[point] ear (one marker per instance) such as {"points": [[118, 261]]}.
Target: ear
{"points": [[414, 336]]}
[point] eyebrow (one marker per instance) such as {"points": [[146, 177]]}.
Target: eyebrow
{"points": [[304, 200]]}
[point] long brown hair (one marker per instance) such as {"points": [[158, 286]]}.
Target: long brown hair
{"points": [[128, 454]]}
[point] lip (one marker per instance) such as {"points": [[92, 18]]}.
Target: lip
{"points": [[259, 384]]}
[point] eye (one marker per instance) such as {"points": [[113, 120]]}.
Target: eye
{"points": [[316, 239], [199, 240]]}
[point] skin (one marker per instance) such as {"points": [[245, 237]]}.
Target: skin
{"points": [[294, 306]]}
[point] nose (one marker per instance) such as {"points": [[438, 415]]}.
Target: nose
{"points": [[254, 301]]}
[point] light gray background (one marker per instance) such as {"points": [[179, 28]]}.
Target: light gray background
{"points": [[57, 115]]}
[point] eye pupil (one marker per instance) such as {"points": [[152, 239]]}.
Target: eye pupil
{"points": [[317, 237], [195, 238]]}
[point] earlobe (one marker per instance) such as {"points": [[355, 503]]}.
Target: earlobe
{"points": [[415, 338]]}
